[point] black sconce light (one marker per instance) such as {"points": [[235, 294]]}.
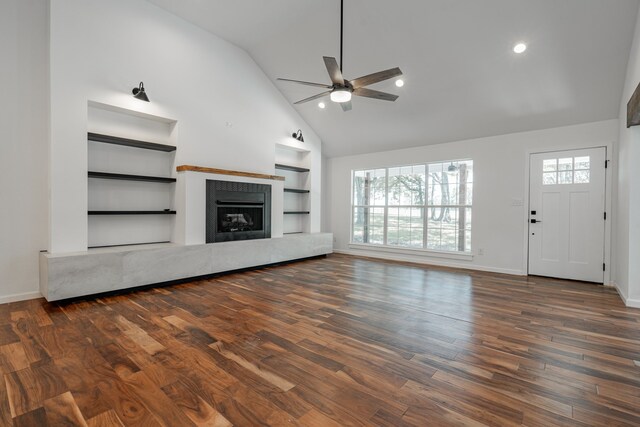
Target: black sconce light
{"points": [[298, 135], [139, 93]]}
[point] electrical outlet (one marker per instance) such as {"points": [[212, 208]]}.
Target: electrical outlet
{"points": [[481, 251]]}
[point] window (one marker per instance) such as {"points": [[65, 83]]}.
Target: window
{"points": [[569, 170], [405, 212], [369, 199], [426, 206], [449, 202]]}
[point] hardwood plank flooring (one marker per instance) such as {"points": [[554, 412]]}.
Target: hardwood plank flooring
{"points": [[338, 341]]}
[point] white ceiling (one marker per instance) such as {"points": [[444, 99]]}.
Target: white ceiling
{"points": [[462, 78]]}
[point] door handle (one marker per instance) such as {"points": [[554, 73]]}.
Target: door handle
{"points": [[535, 221]]}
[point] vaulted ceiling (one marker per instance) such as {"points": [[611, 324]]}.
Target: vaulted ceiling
{"points": [[463, 79]]}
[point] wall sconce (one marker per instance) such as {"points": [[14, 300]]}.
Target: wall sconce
{"points": [[298, 135], [139, 93]]}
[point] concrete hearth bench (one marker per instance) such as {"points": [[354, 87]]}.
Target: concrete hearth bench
{"points": [[95, 271]]}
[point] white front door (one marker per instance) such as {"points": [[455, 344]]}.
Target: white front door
{"points": [[567, 214]]}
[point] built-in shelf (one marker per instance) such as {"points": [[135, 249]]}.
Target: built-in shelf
{"points": [[165, 212], [116, 140], [125, 177], [294, 164], [128, 244], [291, 168]]}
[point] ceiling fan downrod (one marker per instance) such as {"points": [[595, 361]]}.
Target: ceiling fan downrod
{"points": [[341, 30]]}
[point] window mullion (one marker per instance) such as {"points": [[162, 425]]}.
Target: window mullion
{"points": [[386, 205], [425, 220]]}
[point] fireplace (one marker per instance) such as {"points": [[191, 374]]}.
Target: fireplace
{"points": [[237, 211]]}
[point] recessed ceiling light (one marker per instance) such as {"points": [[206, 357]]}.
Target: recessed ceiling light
{"points": [[519, 48], [399, 82], [321, 105]]}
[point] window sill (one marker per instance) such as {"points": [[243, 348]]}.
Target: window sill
{"points": [[461, 256]]}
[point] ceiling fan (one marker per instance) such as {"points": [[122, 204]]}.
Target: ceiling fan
{"points": [[341, 89]]}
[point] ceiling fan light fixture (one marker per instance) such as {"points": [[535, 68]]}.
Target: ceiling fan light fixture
{"points": [[341, 90], [341, 95]]}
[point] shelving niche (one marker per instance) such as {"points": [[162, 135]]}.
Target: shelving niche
{"points": [[293, 164], [130, 163]]}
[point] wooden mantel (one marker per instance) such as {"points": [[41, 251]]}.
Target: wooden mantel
{"points": [[190, 168]]}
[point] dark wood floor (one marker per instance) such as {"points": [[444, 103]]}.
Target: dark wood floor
{"points": [[327, 342]]}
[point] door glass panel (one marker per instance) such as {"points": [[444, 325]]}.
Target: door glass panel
{"points": [[581, 177], [549, 178], [565, 164], [550, 165], [565, 177], [582, 163]]}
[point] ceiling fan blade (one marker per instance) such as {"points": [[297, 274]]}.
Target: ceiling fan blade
{"points": [[368, 93], [376, 77], [346, 106], [311, 98], [334, 70], [306, 83]]}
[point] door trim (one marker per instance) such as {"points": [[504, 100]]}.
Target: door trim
{"points": [[609, 146]]}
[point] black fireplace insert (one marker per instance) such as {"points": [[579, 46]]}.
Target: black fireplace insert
{"points": [[237, 211]]}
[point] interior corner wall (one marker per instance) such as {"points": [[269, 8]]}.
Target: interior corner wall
{"points": [[326, 197], [499, 205], [229, 114], [23, 145], [627, 238]]}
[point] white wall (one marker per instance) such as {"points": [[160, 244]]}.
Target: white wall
{"points": [[23, 145], [229, 115], [627, 243], [499, 184]]}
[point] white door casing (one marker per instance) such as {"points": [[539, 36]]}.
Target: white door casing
{"points": [[567, 214]]}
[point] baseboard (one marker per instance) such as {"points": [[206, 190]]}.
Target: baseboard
{"points": [[430, 261], [629, 302], [632, 302], [20, 297], [622, 295]]}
